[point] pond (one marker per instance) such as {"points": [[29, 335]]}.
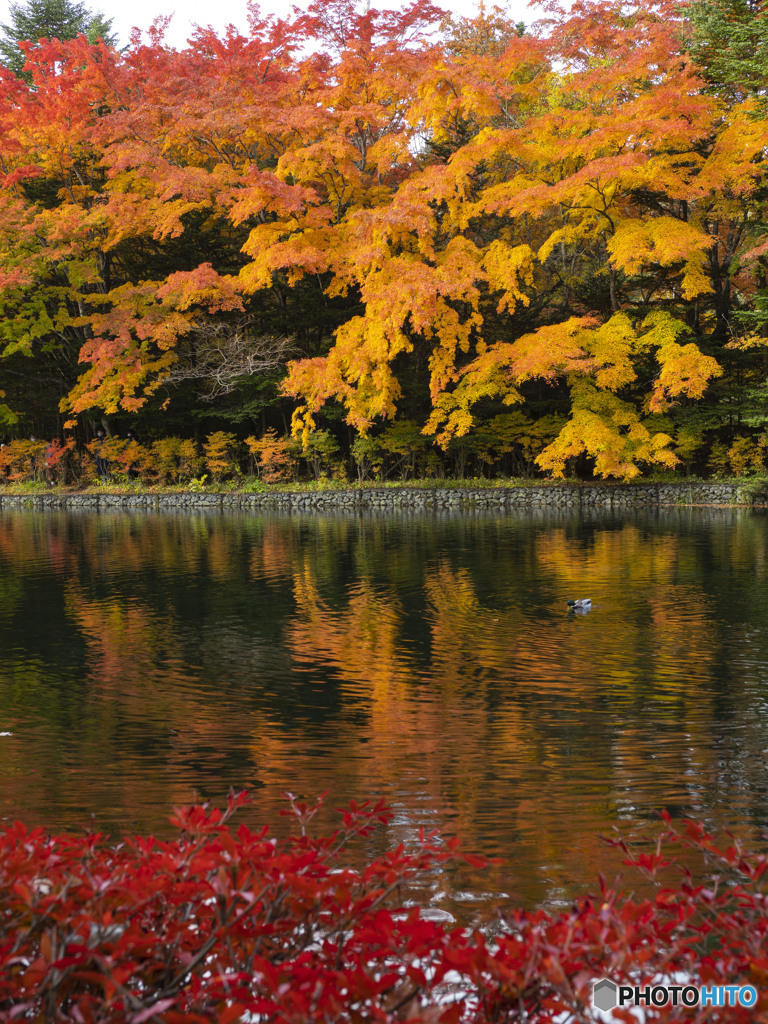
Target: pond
{"points": [[146, 659]]}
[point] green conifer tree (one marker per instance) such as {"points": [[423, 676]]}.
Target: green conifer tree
{"points": [[729, 42], [49, 19]]}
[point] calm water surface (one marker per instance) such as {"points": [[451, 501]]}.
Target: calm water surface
{"points": [[146, 659]]}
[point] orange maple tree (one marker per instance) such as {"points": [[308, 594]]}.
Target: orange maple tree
{"points": [[440, 217]]}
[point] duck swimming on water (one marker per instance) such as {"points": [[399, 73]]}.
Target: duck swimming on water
{"points": [[583, 604]]}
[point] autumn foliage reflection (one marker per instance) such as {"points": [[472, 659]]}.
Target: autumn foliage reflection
{"points": [[431, 662]]}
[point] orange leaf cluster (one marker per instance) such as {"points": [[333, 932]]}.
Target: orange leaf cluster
{"points": [[456, 190]]}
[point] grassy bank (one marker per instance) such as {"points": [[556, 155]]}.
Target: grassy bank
{"points": [[253, 485]]}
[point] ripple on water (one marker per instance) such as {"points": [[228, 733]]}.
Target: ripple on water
{"points": [[151, 660]]}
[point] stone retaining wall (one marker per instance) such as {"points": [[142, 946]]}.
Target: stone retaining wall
{"points": [[561, 496]]}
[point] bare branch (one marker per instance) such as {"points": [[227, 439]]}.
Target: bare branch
{"points": [[219, 355]]}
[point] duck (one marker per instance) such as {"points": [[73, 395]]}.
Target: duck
{"points": [[583, 604]]}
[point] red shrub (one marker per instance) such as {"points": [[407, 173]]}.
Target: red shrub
{"points": [[223, 926]]}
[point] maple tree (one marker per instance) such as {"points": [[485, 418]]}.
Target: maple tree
{"points": [[549, 179], [412, 218], [273, 457]]}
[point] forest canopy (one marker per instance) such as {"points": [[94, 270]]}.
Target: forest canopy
{"points": [[549, 235]]}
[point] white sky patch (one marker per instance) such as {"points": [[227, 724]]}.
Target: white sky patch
{"points": [[188, 13]]}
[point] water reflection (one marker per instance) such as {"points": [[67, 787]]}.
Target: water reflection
{"points": [[149, 658]]}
